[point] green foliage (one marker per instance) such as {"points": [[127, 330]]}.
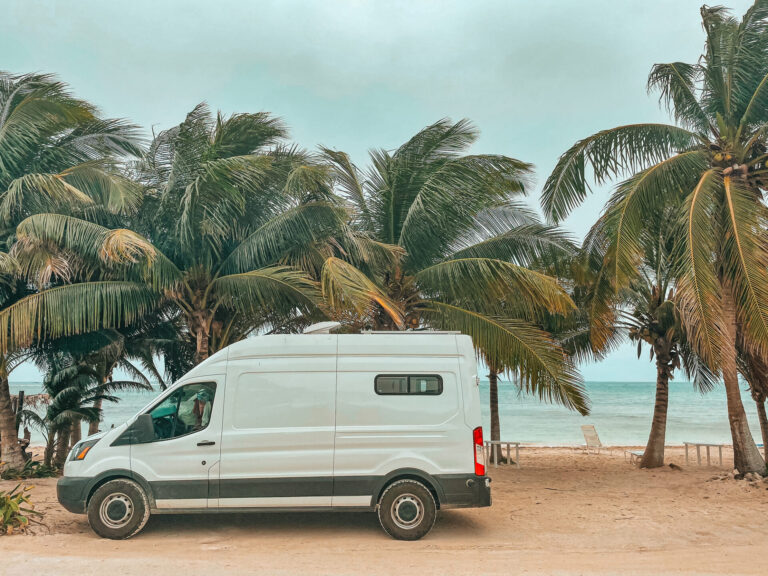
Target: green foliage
{"points": [[471, 257], [31, 469], [708, 173], [16, 509]]}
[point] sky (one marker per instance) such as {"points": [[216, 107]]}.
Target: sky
{"points": [[533, 76]]}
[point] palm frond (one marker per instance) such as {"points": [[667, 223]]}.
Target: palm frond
{"points": [[701, 376], [120, 248], [609, 153], [698, 286], [217, 195], [122, 386], [73, 309], [39, 193], [676, 83], [746, 257], [647, 192], [345, 287], [523, 245], [493, 283], [518, 347], [348, 181], [449, 199], [275, 288], [299, 226]]}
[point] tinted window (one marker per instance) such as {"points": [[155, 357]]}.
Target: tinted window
{"points": [[186, 410], [415, 384]]}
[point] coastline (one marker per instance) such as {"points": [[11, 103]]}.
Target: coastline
{"points": [[621, 413]]}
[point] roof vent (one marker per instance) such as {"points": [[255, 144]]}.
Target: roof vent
{"points": [[321, 328]]}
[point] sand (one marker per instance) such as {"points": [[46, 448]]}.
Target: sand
{"points": [[563, 513]]}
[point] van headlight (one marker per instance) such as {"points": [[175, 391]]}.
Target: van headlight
{"points": [[81, 449]]}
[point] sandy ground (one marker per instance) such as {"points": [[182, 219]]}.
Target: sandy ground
{"points": [[563, 513]]}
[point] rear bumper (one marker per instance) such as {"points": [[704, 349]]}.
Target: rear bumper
{"points": [[72, 492], [464, 491]]}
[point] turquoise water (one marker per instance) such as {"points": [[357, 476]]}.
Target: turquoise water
{"points": [[621, 413]]}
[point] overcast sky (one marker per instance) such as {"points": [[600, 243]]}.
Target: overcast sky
{"points": [[534, 76]]}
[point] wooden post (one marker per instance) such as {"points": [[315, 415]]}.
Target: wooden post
{"points": [[19, 408]]}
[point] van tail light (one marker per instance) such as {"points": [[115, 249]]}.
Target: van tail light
{"points": [[477, 437]]}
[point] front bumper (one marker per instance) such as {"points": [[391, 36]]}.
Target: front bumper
{"points": [[72, 492], [465, 491]]}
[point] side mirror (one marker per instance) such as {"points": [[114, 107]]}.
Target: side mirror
{"points": [[141, 431]]}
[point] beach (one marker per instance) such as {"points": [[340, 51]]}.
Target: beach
{"points": [[563, 512]]}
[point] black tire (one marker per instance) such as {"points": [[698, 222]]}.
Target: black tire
{"points": [[407, 510], [118, 509]]}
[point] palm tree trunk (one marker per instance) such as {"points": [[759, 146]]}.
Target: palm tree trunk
{"points": [[93, 427], [202, 345], [77, 432], [11, 454], [49, 446], [62, 446], [746, 456], [653, 457], [761, 416], [202, 334], [493, 385]]}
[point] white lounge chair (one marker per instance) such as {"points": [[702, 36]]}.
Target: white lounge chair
{"points": [[591, 438], [634, 456]]}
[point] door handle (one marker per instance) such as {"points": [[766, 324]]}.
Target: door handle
{"points": [[206, 443]]}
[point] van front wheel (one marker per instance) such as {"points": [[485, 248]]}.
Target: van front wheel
{"points": [[407, 510], [118, 509]]}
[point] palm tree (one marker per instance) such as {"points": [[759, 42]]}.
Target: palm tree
{"points": [[711, 166], [75, 384], [100, 353], [236, 231], [466, 241], [646, 311], [56, 155]]}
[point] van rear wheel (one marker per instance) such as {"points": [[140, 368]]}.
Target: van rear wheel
{"points": [[118, 509], [407, 510]]}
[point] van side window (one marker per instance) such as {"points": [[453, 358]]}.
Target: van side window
{"points": [[186, 410], [411, 384]]}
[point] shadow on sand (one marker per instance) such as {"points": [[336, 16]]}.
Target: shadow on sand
{"points": [[329, 524]]}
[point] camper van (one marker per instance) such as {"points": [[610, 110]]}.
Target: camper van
{"points": [[385, 422]]}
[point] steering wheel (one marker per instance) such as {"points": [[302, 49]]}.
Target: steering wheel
{"points": [[163, 427]]}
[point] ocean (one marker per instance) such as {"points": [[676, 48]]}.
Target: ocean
{"points": [[621, 413]]}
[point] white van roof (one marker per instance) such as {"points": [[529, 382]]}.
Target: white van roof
{"points": [[414, 343]]}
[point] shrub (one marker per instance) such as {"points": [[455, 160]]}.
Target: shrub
{"points": [[31, 469], [16, 509]]}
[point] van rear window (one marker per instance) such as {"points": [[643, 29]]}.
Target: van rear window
{"points": [[411, 384]]}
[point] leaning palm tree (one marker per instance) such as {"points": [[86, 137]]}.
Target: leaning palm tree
{"points": [[712, 165], [646, 311], [466, 240], [235, 231], [57, 154]]}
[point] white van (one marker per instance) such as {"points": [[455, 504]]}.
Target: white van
{"points": [[387, 422]]}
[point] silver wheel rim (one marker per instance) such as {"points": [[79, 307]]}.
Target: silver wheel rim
{"points": [[116, 510], [407, 511]]}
